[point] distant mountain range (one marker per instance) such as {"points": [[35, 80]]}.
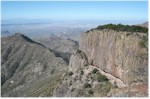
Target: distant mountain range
{"points": [[41, 29], [61, 46]]}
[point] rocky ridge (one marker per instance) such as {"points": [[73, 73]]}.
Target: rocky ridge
{"points": [[60, 46], [28, 68]]}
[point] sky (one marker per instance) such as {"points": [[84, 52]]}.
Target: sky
{"points": [[71, 10]]}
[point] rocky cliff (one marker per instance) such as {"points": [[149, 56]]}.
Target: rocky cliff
{"points": [[111, 61], [117, 53], [28, 68]]}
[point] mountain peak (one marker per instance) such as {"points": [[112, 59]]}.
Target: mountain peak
{"points": [[22, 37], [18, 35]]}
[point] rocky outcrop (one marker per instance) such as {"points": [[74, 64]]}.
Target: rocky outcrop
{"points": [[77, 61], [115, 63], [28, 68]]}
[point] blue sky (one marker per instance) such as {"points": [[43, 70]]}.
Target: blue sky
{"points": [[69, 10]]}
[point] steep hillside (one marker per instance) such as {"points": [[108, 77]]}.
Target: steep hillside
{"points": [[61, 47], [28, 68], [112, 60], [59, 44]]}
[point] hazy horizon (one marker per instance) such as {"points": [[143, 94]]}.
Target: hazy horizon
{"points": [[67, 18], [75, 10]]}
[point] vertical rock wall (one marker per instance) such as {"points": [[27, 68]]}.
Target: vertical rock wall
{"points": [[117, 53]]}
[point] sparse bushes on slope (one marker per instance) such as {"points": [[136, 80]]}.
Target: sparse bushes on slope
{"points": [[82, 55], [48, 87], [102, 89], [98, 76], [101, 78], [144, 42]]}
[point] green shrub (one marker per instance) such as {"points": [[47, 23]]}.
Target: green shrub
{"points": [[86, 65], [83, 56], [78, 51], [115, 85], [95, 71], [100, 78], [142, 44]]}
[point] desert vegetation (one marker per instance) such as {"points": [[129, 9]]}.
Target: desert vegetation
{"points": [[126, 28]]}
